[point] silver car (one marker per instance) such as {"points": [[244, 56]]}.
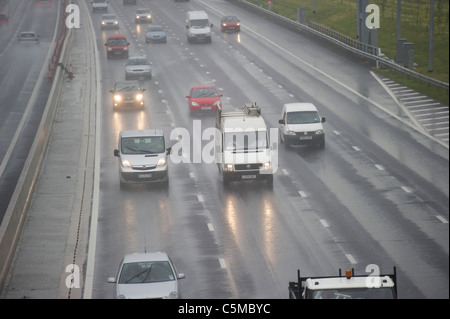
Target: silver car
{"points": [[155, 33], [138, 67], [143, 157], [143, 15], [147, 276], [28, 37], [109, 21]]}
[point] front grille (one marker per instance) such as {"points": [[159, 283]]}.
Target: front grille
{"points": [[143, 167], [243, 167]]}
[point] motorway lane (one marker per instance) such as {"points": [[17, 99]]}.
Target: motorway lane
{"points": [[20, 67], [353, 188]]}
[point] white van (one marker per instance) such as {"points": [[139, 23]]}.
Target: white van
{"points": [[301, 124], [142, 156], [243, 150], [198, 27]]}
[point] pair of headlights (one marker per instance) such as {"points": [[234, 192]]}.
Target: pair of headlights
{"points": [[161, 162], [318, 132], [230, 167], [118, 98], [217, 103]]}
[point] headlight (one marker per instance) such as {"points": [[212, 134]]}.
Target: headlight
{"points": [[139, 97], [126, 48], [172, 295], [116, 22], [290, 133], [109, 49], [103, 22], [162, 162], [126, 163], [117, 98], [319, 132], [195, 104], [137, 17], [229, 167], [149, 16], [266, 165]]}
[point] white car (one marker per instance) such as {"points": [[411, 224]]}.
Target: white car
{"points": [[138, 67], [109, 21], [301, 124], [28, 37], [143, 157], [147, 276]]}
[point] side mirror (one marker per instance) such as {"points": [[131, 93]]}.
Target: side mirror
{"points": [[181, 276], [281, 121], [169, 150], [324, 119], [116, 153], [188, 96], [106, 44], [111, 280], [112, 91], [143, 90], [211, 25]]}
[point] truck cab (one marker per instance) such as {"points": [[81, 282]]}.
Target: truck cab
{"points": [[243, 150], [348, 286]]}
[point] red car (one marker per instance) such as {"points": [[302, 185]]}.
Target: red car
{"points": [[117, 45], [204, 98], [230, 23], [3, 18]]}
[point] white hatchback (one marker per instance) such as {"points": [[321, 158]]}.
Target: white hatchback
{"points": [[147, 276]]}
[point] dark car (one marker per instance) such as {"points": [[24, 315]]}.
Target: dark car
{"points": [[128, 93], [143, 15], [229, 24]]}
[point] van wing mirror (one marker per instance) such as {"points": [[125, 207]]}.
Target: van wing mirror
{"points": [[281, 121], [169, 150], [116, 152], [324, 119]]}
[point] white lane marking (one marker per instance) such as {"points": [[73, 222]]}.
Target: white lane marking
{"points": [[210, 227], [406, 189], [324, 223], [442, 219], [379, 167], [302, 194], [223, 265], [351, 259]]}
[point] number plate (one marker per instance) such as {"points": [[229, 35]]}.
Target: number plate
{"points": [[305, 138], [206, 107], [248, 176], [144, 175]]}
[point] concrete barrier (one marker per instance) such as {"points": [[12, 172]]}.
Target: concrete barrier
{"points": [[15, 215]]}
